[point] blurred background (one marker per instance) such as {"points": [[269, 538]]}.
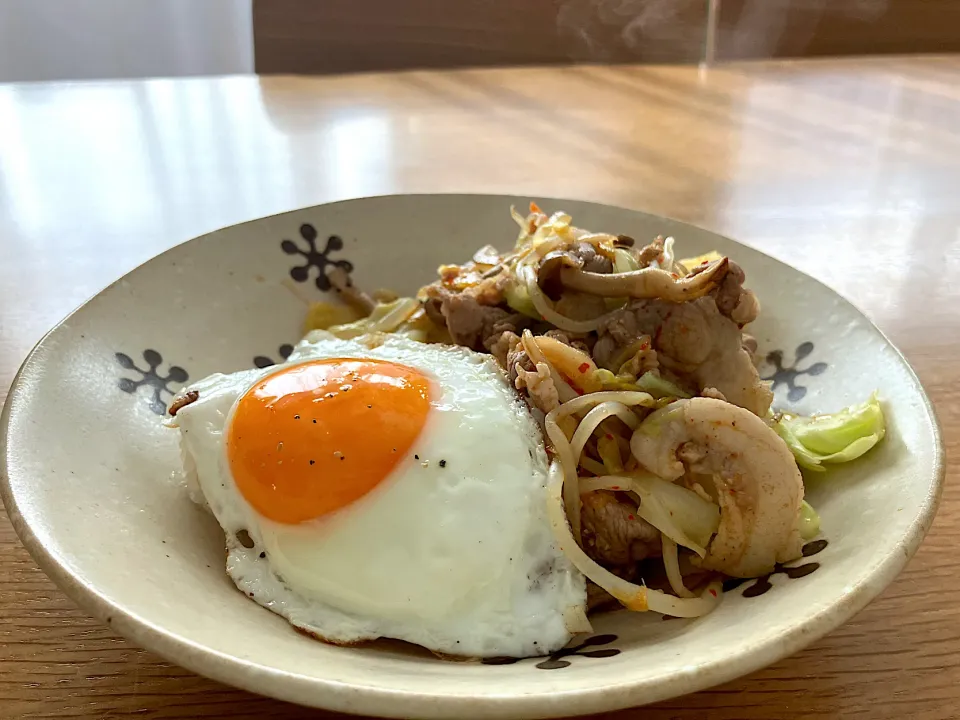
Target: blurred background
{"points": [[93, 39], [89, 39]]}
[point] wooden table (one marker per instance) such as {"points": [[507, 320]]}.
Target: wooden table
{"points": [[847, 169]]}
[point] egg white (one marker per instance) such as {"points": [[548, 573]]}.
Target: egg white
{"points": [[457, 558]]}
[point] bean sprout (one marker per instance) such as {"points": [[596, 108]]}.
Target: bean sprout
{"points": [[634, 597], [671, 563]]}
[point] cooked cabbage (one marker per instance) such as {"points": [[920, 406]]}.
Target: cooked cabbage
{"points": [[384, 318], [835, 438]]}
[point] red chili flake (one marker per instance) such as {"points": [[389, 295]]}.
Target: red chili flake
{"points": [[645, 346], [629, 517], [656, 336], [584, 367], [614, 487], [674, 276], [713, 592], [609, 436]]}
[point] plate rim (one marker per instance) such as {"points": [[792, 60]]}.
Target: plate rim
{"points": [[393, 702]]}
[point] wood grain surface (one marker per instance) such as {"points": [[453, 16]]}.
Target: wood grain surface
{"points": [[847, 169]]}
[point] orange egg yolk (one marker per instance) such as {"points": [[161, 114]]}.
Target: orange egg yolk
{"points": [[311, 439]]}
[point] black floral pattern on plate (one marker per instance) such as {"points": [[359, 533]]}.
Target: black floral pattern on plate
{"points": [[319, 259], [556, 661], [787, 374], [762, 584], [160, 385], [262, 361]]}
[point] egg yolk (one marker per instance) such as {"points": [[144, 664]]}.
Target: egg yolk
{"points": [[310, 439]]}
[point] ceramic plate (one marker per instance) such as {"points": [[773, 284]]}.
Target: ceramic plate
{"points": [[87, 479]]}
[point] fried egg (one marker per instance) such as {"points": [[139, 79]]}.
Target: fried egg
{"points": [[385, 490]]}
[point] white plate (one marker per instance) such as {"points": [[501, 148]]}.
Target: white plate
{"points": [[87, 467]]}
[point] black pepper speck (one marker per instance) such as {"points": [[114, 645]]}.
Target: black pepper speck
{"points": [[296, 417], [443, 463], [416, 457], [312, 462], [314, 421], [263, 554]]}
